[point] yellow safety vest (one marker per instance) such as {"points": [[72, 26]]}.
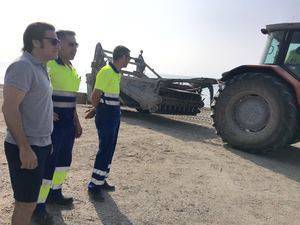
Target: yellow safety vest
{"points": [[108, 81], [293, 58], [63, 77], [65, 83]]}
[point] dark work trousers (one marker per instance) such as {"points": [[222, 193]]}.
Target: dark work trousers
{"points": [[107, 121], [58, 163]]}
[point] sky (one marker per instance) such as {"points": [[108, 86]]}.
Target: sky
{"points": [[196, 38]]}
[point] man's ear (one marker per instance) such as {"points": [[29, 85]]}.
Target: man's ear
{"points": [[36, 43]]}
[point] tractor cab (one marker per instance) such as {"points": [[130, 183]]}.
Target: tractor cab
{"points": [[283, 47]]}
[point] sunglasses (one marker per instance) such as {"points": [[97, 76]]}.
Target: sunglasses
{"points": [[53, 41], [73, 44]]}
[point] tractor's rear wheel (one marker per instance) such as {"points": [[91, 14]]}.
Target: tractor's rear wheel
{"points": [[256, 113]]}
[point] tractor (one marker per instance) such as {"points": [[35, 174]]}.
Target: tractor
{"points": [[257, 106]]}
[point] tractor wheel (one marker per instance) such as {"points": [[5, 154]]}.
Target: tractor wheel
{"points": [[256, 113]]}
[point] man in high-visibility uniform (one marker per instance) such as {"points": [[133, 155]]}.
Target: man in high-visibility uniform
{"points": [[293, 57], [105, 99], [65, 83]]}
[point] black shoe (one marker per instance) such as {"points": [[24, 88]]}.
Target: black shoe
{"points": [[107, 187], [60, 200], [96, 195], [42, 218]]}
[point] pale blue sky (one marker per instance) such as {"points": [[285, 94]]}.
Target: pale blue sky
{"points": [[186, 37]]}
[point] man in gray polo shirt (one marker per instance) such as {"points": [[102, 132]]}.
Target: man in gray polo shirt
{"points": [[28, 114]]}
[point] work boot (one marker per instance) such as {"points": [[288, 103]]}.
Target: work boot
{"points": [[42, 218], [56, 197], [96, 195], [95, 192], [107, 187]]}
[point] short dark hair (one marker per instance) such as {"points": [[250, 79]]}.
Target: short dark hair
{"points": [[120, 51], [62, 33], [35, 31]]}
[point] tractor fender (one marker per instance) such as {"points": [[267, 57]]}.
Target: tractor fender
{"points": [[270, 69]]}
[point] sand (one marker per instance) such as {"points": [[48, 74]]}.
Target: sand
{"points": [[174, 170]]}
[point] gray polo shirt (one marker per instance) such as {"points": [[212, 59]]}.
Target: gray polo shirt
{"points": [[30, 76]]}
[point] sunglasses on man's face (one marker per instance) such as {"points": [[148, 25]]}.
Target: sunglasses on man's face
{"points": [[53, 41], [73, 44]]}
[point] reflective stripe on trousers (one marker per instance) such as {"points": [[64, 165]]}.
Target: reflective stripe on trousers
{"points": [[58, 163], [107, 123]]}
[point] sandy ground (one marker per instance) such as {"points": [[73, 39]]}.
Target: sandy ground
{"points": [[175, 170]]}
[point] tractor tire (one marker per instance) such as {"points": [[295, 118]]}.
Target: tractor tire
{"points": [[256, 113]]}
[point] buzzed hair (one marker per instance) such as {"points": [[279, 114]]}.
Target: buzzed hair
{"points": [[61, 34], [120, 51]]}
